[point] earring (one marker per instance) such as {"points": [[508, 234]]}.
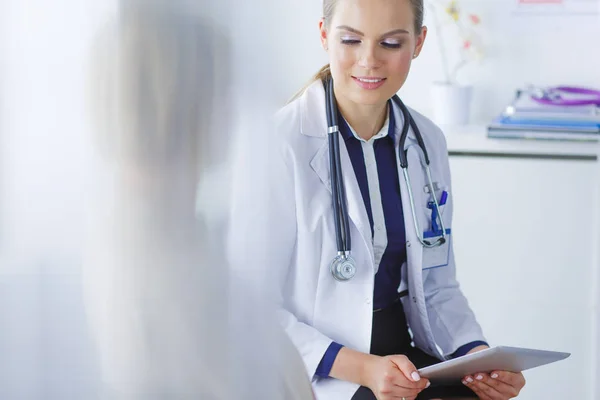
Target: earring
{"points": [[415, 55]]}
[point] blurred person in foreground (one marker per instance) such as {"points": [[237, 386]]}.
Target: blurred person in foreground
{"points": [[165, 315]]}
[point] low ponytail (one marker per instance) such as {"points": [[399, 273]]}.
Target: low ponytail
{"points": [[323, 74]]}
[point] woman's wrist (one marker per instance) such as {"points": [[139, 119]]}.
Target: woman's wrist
{"points": [[478, 348], [352, 366], [365, 369]]}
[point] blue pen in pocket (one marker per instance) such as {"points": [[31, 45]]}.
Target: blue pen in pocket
{"points": [[434, 213]]}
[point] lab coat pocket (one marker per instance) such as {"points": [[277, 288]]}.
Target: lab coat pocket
{"points": [[439, 256]]}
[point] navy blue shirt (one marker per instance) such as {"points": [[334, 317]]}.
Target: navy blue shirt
{"points": [[390, 250], [375, 166]]}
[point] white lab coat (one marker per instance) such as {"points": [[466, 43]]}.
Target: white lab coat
{"points": [[285, 231]]}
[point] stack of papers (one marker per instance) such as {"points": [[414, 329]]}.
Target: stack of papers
{"points": [[527, 119]]}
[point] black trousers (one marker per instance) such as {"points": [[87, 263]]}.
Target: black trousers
{"points": [[390, 336]]}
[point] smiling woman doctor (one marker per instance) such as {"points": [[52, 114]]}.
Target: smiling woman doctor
{"points": [[358, 216]]}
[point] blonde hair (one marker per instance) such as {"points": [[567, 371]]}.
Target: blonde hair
{"points": [[328, 9]]}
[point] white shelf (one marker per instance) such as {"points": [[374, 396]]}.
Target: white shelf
{"points": [[473, 139]]}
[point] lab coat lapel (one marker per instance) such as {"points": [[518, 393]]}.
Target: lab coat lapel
{"points": [[415, 305], [356, 208], [314, 124]]}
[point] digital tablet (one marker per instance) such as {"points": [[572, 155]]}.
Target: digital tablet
{"points": [[500, 358]]}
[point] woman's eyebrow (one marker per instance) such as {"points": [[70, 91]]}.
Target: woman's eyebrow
{"points": [[395, 32], [350, 29], [356, 31]]}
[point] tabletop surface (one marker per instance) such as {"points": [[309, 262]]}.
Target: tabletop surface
{"points": [[473, 139]]}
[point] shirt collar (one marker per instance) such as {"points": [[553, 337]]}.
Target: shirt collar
{"points": [[388, 128]]}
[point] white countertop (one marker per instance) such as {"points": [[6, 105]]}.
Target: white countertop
{"points": [[473, 139]]}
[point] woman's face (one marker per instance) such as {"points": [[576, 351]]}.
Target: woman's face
{"points": [[371, 44]]}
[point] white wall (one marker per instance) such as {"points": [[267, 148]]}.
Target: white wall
{"points": [[294, 50], [43, 125], [43, 133]]}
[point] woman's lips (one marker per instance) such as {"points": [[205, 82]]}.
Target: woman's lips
{"points": [[368, 82]]}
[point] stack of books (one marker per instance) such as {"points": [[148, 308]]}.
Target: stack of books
{"points": [[527, 119]]}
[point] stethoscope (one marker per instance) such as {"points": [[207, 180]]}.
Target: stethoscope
{"points": [[343, 266], [552, 96]]}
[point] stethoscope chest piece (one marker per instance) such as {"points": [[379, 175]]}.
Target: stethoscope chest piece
{"points": [[343, 268]]}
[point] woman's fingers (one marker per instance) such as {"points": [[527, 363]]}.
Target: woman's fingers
{"points": [[417, 386], [397, 385], [482, 390], [515, 380], [390, 381], [487, 387], [407, 367], [508, 390]]}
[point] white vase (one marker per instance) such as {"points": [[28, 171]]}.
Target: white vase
{"points": [[451, 103]]}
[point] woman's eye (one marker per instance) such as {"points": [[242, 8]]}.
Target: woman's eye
{"points": [[350, 41], [391, 45]]}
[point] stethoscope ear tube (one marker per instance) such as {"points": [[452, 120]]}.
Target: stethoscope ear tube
{"points": [[334, 193], [343, 266], [419, 139], [333, 167], [402, 153], [337, 183], [342, 197]]}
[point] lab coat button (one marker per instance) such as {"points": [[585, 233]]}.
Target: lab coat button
{"points": [[414, 299], [368, 301]]}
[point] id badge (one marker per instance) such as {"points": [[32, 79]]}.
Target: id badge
{"points": [[438, 256]]}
